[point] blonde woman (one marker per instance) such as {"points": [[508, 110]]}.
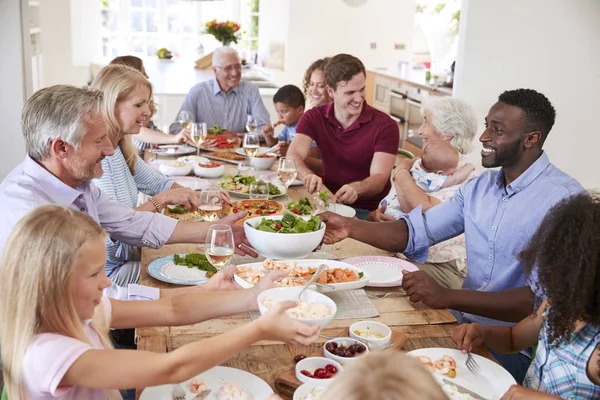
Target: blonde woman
{"points": [[389, 375], [54, 318], [127, 97]]}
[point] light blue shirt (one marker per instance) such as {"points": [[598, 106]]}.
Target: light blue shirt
{"points": [[288, 132], [498, 222], [118, 183], [209, 104], [29, 185]]}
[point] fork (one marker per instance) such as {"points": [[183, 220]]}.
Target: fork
{"points": [[472, 364], [202, 395], [178, 393], [385, 295]]}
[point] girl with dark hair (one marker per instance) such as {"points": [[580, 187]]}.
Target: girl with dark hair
{"points": [[563, 258]]}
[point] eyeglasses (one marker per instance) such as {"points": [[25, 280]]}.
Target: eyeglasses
{"points": [[229, 68]]}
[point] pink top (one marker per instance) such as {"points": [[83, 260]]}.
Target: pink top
{"points": [[49, 357], [347, 153]]}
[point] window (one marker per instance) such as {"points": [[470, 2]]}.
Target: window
{"points": [[249, 23], [141, 27]]}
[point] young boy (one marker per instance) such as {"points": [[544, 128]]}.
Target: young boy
{"points": [[289, 103]]}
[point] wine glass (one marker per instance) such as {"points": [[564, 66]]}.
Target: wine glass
{"points": [[251, 124], [259, 190], [198, 132], [286, 171], [184, 118], [211, 204], [219, 245], [251, 144]]}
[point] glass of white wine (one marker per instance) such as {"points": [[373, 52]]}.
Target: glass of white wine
{"points": [[198, 132], [286, 171], [211, 204], [219, 245], [184, 118], [251, 124], [251, 144]]}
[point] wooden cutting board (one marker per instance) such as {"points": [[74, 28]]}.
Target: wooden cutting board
{"points": [[287, 383]]}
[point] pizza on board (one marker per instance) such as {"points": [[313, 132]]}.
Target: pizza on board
{"points": [[257, 208]]}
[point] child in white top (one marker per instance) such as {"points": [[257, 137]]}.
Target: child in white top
{"points": [[54, 318], [438, 168]]}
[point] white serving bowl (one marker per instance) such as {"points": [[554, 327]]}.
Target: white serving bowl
{"points": [[311, 364], [309, 296], [345, 341], [374, 327], [194, 159], [282, 246], [205, 172], [306, 388], [175, 168], [263, 163]]}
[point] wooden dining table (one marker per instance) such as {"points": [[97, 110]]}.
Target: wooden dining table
{"points": [[422, 326]]}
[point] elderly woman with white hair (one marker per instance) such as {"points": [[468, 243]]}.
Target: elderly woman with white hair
{"points": [[452, 121], [225, 100]]}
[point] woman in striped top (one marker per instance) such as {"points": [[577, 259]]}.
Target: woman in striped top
{"points": [[149, 134], [127, 97], [563, 258]]}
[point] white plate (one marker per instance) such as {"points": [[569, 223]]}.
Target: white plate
{"points": [[383, 271], [491, 382], [164, 269], [174, 150], [342, 209], [315, 263], [192, 182], [261, 150], [214, 378]]}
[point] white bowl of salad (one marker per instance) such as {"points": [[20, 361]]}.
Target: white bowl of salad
{"points": [[311, 390], [284, 237]]}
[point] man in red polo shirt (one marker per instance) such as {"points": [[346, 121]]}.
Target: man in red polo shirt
{"points": [[358, 143]]}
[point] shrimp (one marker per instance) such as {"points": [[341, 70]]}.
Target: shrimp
{"points": [[197, 386], [445, 364], [426, 361]]}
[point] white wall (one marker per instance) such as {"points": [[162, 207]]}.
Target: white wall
{"points": [[552, 46], [55, 22], [320, 28], [14, 82]]}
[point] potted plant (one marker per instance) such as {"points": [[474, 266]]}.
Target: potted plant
{"points": [[225, 32]]}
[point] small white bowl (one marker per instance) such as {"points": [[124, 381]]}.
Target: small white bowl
{"points": [[262, 163], [311, 364], [372, 327], [282, 246], [344, 341], [212, 172], [194, 159], [306, 388], [309, 296], [172, 168]]}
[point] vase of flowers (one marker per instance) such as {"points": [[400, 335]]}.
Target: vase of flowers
{"points": [[225, 32]]}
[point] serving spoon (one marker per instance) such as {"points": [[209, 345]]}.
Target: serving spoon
{"points": [[316, 275]]}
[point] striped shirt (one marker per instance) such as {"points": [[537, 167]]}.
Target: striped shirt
{"points": [[118, 183], [209, 104], [562, 370]]}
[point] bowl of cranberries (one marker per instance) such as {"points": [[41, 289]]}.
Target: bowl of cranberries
{"points": [[313, 369], [344, 350]]}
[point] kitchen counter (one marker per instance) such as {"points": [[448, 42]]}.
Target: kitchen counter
{"points": [[176, 77], [415, 77]]}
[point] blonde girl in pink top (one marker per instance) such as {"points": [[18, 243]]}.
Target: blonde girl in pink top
{"points": [[54, 318]]}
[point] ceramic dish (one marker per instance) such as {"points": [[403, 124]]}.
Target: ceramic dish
{"points": [[383, 271], [164, 269], [374, 333], [310, 364]]}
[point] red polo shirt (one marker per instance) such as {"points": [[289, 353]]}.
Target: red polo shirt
{"points": [[347, 153]]}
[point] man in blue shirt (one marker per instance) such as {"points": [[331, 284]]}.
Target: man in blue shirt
{"points": [[498, 211]]}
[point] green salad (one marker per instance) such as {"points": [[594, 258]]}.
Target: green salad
{"points": [[179, 209], [215, 130], [304, 206], [241, 184], [289, 224], [195, 260]]}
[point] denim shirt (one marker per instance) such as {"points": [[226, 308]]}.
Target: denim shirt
{"points": [[498, 222]]}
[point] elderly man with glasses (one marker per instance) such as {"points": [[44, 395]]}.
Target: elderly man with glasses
{"points": [[225, 100]]}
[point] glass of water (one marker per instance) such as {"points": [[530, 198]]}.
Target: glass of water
{"points": [[259, 191]]}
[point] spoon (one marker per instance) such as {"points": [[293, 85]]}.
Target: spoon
{"points": [[312, 280]]}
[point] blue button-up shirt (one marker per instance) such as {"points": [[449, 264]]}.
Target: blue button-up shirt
{"points": [[208, 103], [30, 185], [498, 222]]}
